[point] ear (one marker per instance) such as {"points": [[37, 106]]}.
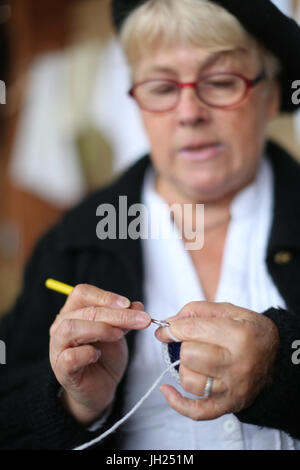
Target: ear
{"points": [[273, 100]]}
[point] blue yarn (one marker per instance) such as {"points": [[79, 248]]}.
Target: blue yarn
{"points": [[174, 353]]}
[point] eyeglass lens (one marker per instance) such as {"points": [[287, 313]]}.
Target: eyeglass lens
{"points": [[216, 90]]}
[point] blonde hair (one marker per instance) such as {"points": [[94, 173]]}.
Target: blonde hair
{"points": [[198, 22]]}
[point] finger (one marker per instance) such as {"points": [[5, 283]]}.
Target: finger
{"points": [[137, 306], [195, 383], [73, 360], [200, 309], [72, 333], [84, 295], [204, 309], [200, 409], [121, 318], [204, 358], [134, 306], [218, 331], [192, 382]]}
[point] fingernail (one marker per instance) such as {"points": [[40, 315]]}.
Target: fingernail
{"points": [[142, 319], [123, 302], [140, 303], [118, 333], [157, 333], [98, 354]]}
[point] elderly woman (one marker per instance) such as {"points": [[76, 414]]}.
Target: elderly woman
{"points": [[207, 76]]}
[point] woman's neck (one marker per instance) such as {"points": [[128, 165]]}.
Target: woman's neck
{"points": [[216, 212]]}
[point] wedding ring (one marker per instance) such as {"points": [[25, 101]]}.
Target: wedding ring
{"points": [[208, 387]]}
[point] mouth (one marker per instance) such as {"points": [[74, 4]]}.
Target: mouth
{"points": [[201, 151]]}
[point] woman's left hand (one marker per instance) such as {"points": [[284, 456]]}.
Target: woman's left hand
{"points": [[234, 346]]}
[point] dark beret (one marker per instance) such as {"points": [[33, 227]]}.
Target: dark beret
{"points": [[261, 18]]}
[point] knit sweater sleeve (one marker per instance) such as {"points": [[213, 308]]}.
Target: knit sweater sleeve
{"points": [[31, 415], [278, 406]]}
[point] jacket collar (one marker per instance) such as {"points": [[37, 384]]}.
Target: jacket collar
{"points": [[285, 232], [78, 228]]}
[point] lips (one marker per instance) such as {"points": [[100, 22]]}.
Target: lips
{"points": [[199, 145], [200, 150]]}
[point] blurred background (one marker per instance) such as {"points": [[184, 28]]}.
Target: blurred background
{"points": [[67, 124]]}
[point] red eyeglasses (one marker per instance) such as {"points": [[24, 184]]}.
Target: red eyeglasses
{"points": [[221, 90]]}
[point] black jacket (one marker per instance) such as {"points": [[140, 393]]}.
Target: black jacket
{"points": [[31, 416]]}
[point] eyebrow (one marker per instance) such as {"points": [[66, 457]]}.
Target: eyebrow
{"points": [[209, 61]]}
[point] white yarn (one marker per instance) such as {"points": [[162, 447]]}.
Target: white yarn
{"points": [[166, 355], [176, 340], [131, 412]]}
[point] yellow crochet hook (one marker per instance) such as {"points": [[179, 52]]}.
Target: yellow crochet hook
{"points": [[65, 289], [58, 286]]}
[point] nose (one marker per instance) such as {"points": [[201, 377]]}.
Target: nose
{"points": [[190, 110]]}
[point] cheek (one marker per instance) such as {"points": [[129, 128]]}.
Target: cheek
{"points": [[245, 127], [159, 129]]}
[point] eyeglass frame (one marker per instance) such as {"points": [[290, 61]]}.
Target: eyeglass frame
{"points": [[250, 83]]}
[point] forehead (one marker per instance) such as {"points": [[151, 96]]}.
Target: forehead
{"points": [[188, 58]]}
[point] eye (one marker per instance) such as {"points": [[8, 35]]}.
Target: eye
{"points": [[162, 88], [221, 82]]}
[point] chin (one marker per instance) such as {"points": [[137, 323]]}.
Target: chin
{"points": [[203, 195], [209, 184]]}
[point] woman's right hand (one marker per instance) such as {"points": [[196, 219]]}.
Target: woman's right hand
{"points": [[88, 350]]}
